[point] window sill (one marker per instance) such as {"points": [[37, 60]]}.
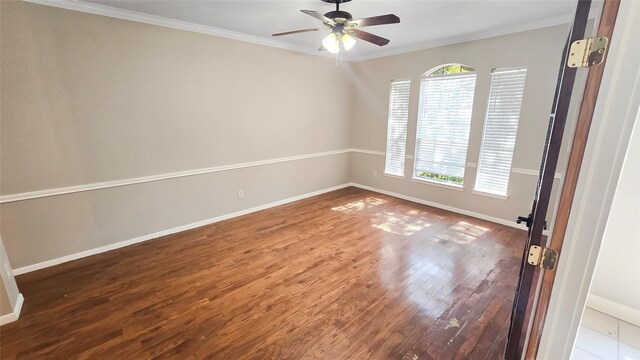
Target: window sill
{"points": [[482, 193], [438, 184], [393, 176]]}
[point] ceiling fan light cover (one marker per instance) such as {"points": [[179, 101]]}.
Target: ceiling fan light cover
{"points": [[332, 42], [348, 42]]}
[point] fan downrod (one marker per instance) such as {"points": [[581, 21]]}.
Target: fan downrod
{"points": [[337, 14]]}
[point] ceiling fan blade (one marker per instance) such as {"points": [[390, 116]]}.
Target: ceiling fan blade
{"points": [[320, 17], [366, 36], [297, 31], [375, 20]]}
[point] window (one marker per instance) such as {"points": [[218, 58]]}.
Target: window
{"points": [[397, 127], [444, 119], [500, 128]]}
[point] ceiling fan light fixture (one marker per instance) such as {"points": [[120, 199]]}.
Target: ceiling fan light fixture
{"points": [[348, 42], [344, 29], [332, 42]]}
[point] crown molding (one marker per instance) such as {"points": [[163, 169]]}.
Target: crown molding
{"points": [[124, 14], [485, 34]]}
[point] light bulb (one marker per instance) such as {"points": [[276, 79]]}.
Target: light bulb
{"points": [[331, 43], [348, 42]]}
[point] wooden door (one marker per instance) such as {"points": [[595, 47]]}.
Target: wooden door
{"points": [[536, 220], [580, 137]]}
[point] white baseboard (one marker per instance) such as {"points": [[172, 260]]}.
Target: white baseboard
{"points": [[15, 315], [444, 207], [79, 255], [614, 309]]}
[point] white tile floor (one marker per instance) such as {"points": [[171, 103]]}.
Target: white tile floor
{"points": [[602, 337]]}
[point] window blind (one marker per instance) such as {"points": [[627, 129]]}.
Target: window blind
{"points": [[397, 127], [500, 128], [444, 119]]}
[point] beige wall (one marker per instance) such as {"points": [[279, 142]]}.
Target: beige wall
{"points": [[538, 50], [87, 98], [52, 227], [615, 288]]}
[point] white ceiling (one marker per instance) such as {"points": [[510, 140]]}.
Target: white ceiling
{"points": [[423, 24]]}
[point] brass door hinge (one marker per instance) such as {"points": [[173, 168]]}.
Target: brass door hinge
{"points": [[544, 257], [587, 52]]}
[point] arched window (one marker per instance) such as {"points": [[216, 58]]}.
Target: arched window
{"points": [[444, 120]]}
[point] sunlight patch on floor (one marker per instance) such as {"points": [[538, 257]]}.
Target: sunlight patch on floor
{"points": [[359, 205], [400, 224], [462, 233]]}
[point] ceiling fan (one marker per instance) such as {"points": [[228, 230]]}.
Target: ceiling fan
{"points": [[344, 28]]}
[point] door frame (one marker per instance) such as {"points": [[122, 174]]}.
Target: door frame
{"points": [[614, 116], [568, 91], [608, 14]]}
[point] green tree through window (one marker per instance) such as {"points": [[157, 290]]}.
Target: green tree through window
{"points": [[452, 69]]}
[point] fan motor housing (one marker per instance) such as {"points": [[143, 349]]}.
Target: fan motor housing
{"points": [[339, 14]]}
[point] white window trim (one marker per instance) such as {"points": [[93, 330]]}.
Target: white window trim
{"points": [[509, 69], [496, 196], [394, 176], [437, 183]]}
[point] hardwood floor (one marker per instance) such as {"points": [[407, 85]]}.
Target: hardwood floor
{"points": [[350, 274]]}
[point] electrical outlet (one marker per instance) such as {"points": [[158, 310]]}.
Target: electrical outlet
{"points": [[375, 173], [240, 193]]}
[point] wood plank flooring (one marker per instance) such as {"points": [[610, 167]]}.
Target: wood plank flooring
{"points": [[350, 274]]}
